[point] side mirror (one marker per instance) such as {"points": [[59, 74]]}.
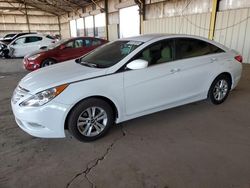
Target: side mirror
{"points": [[137, 64], [62, 47], [77, 60]]}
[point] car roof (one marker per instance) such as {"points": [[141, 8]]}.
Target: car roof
{"points": [[31, 35], [145, 37], [11, 34], [148, 37], [85, 37]]}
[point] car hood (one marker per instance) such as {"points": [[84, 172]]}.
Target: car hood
{"points": [[58, 74]]}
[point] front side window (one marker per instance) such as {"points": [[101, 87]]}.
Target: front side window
{"points": [[20, 41], [59, 43], [159, 52], [69, 44], [110, 54], [188, 48]]}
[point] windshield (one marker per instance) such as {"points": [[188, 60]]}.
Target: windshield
{"points": [[110, 54], [55, 45]]}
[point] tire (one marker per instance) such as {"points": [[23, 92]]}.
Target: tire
{"points": [[220, 89], [5, 53], [83, 126], [48, 62]]}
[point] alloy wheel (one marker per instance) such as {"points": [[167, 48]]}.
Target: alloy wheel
{"points": [[92, 121], [220, 90]]}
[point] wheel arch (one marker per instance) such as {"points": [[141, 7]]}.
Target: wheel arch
{"points": [[228, 74], [49, 58], [106, 99]]}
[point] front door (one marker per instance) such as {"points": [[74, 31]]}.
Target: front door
{"points": [[153, 86]]}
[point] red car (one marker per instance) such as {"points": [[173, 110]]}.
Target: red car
{"points": [[61, 51]]}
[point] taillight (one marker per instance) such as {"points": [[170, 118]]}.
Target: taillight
{"points": [[239, 58]]}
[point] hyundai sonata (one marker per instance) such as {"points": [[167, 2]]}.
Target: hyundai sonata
{"points": [[122, 80]]}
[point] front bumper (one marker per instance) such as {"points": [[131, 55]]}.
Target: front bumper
{"points": [[46, 121], [30, 65]]}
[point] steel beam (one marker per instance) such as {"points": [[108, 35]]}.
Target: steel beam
{"points": [[215, 4], [106, 18], [27, 17]]}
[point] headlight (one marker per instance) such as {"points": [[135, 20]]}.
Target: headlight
{"points": [[43, 97], [34, 57]]}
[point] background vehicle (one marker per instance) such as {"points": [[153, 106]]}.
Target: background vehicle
{"points": [[8, 36], [62, 51], [12, 36], [144, 75], [27, 44], [3, 48]]}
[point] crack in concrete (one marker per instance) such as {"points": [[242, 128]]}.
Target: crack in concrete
{"points": [[91, 165]]}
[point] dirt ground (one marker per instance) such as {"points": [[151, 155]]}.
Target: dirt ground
{"points": [[199, 145]]}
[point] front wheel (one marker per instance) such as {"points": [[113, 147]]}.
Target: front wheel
{"points": [[48, 62], [219, 89], [90, 119]]}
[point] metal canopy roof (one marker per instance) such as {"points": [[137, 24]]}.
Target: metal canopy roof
{"points": [[57, 7]]}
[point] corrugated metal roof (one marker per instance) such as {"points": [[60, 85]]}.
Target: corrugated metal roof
{"points": [[57, 7]]}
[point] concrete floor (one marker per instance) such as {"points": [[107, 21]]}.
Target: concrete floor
{"points": [[194, 146]]}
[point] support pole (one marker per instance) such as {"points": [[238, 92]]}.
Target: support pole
{"points": [[106, 18], [26, 15], [141, 4], [213, 19], [59, 24]]}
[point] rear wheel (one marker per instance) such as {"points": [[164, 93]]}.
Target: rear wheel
{"points": [[90, 119], [48, 62], [220, 89]]}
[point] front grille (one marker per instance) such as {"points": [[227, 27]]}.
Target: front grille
{"points": [[18, 94]]}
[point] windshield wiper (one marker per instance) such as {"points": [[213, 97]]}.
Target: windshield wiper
{"points": [[88, 64]]}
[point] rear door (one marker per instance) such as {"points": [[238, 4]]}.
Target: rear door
{"points": [[195, 62]]}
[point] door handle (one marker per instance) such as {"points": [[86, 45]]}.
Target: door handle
{"points": [[175, 70]]}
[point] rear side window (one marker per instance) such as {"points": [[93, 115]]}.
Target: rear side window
{"points": [[188, 48], [33, 39]]}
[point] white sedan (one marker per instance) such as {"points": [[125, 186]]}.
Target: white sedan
{"points": [[29, 43], [122, 80]]}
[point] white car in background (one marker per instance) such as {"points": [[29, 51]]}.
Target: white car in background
{"points": [[27, 44], [122, 80]]}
